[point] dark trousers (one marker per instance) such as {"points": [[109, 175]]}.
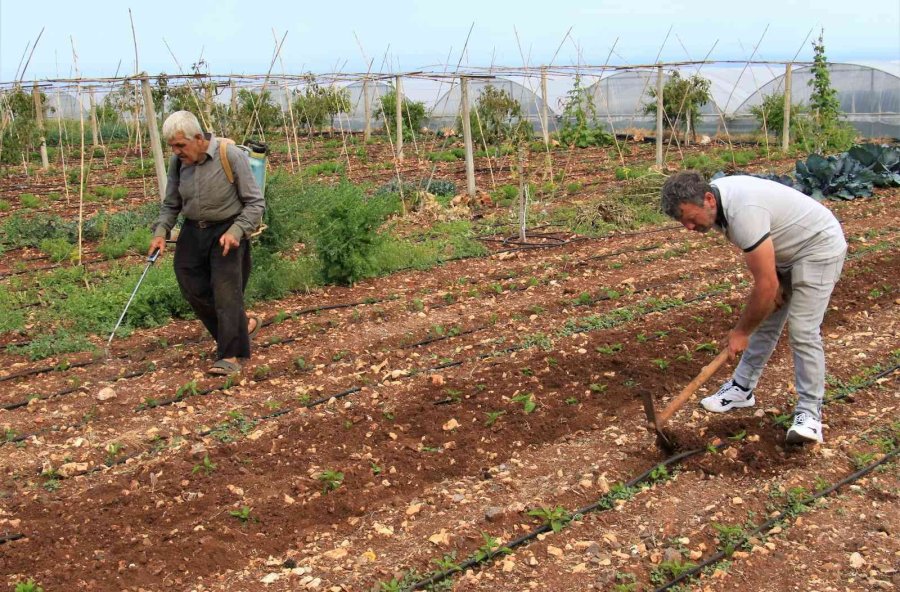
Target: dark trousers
{"points": [[214, 285]]}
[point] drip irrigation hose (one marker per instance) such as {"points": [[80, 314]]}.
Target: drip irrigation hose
{"points": [[768, 524], [6, 538], [602, 504]]}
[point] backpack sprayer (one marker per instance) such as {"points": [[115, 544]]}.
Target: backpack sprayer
{"points": [[256, 155]]}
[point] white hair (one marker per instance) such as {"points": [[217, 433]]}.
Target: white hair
{"points": [[181, 121]]}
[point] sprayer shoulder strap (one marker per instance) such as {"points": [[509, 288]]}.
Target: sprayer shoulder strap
{"points": [[223, 156]]}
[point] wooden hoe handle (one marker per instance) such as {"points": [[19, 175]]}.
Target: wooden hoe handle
{"points": [[691, 388]]}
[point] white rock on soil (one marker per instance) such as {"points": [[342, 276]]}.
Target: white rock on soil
{"points": [[856, 560], [105, 394]]}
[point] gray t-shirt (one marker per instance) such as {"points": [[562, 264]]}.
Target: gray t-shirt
{"points": [[800, 227]]}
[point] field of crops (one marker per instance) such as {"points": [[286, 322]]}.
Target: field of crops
{"points": [[465, 416]]}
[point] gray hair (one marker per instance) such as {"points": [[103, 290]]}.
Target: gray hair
{"points": [[683, 187], [181, 121]]}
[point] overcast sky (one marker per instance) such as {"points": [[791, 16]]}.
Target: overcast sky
{"points": [[237, 36]]}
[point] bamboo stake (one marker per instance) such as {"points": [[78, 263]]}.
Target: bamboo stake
{"points": [[81, 177], [94, 140], [399, 117], [367, 110]]}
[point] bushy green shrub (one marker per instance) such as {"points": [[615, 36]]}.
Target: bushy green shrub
{"points": [[346, 232], [497, 118], [413, 114], [29, 200], [578, 124], [20, 231], [58, 249]]}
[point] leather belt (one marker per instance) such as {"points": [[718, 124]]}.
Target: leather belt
{"points": [[204, 224]]}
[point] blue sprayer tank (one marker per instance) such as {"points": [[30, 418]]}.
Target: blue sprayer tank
{"points": [[257, 152]]}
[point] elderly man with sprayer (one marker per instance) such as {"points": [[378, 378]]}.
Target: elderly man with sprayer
{"points": [[210, 182], [794, 247]]}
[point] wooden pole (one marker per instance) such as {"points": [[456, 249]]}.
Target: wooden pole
{"points": [[786, 130], [523, 192], [155, 143], [367, 110], [467, 138], [545, 121], [399, 116], [39, 118], [95, 134], [659, 116]]}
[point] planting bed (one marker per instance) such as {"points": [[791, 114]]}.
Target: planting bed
{"points": [[412, 424]]}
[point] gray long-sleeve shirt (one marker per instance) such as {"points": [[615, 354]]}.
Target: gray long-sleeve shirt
{"points": [[202, 192]]}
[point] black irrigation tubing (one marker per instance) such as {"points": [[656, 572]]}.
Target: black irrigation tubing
{"points": [[6, 538], [70, 390], [43, 369], [25, 402], [768, 524], [600, 505]]}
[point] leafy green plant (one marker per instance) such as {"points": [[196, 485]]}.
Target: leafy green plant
{"points": [[669, 570], [597, 388], [413, 113], [492, 417], [262, 372], [837, 176], [497, 118], [578, 123], [584, 299], [610, 349], [883, 160], [112, 452], [490, 548], [206, 466], [28, 586], [730, 537], [242, 514], [29, 200], [187, 389], [556, 517], [331, 480], [660, 363], [58, 249], [527, 401]]}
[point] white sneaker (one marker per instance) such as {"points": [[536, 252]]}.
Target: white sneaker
{"points": [[729, 397], [805, 429]]}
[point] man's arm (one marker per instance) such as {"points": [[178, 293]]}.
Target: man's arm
{"points": [[170, 208], [762, 300]]}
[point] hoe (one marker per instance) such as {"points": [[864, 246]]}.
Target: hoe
{"points": [[656, 421]]}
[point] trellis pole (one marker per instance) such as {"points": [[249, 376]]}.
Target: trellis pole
{"points": [[467, 137], [367, 109], [545, 121], [95, 134], [155, 143], [39, 118], [399, 116], [523, 192], [659, 116], [786, 130]]}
